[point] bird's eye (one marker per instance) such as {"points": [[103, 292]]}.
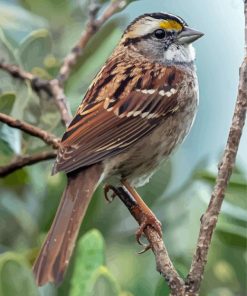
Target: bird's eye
{"points": [[160, 34]]}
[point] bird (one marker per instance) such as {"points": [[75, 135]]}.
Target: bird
{"points": [[137, 110]]}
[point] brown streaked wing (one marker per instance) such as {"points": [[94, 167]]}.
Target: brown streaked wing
{"points": [[106, 125]]}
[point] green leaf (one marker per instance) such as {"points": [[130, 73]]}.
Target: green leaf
{"points": [[15, 276], [17, 21], [159, 182], [234, 206], [130, 1], [232, 235], [126, 293], [103, 283], [57, 11], [7, 82], [89, 257], [34, 49], [162, 288], [6, 102], [41, 73], [5, 153], [222, 291], [9, 137], [237, 213], [16, 179], [7, 55], [17, 209], [237, 178], [6, 50]]}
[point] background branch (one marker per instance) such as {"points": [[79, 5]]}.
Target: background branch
{"points": [[50, 87], [36, 83], [209, 219], [92, 27], [32, 130], [55, 87], [16, 72], [164, 264], [22, 161], [26, 160]]}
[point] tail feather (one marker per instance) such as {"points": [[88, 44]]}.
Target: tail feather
{"points": [[55, 253]]}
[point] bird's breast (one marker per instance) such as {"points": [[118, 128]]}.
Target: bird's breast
{"points": [[141, 160]]}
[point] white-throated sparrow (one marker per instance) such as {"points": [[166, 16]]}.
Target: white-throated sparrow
{"points": [[139, 107]]}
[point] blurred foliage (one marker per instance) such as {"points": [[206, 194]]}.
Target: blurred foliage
{"points": [[36, 35]]}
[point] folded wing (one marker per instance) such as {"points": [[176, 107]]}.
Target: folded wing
{"points": [[115, 114]]}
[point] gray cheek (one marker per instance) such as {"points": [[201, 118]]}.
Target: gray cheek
{"points": [[152, 49]]}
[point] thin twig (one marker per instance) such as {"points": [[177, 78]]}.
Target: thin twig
{"points": [[92, 27], [61, 101], [55, 87], [163, 262], [72, 58], [32, 130], [209, 219], [16, 72], [36, 83], [26, 160]]}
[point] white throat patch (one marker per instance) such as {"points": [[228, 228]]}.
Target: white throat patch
{"points": [[179, 54]]}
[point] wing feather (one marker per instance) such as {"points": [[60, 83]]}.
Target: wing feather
{"points": [[109, 122]]}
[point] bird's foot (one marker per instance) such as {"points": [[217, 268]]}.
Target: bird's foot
{"points": [[149, 220]]}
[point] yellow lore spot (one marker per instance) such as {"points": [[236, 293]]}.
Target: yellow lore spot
{"points": [[170, 25]]}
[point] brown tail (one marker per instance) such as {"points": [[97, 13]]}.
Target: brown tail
{"points": [[55, 253]]}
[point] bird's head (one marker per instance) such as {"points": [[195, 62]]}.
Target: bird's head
{"points": [[161, 37]]}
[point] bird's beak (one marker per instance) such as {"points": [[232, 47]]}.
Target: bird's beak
{"points": [[188, 35]]}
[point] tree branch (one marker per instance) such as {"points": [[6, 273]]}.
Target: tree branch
{"points": [[61, 101], [16, 72], [37, 83], [55, 87], [92, 27], [163, 262], [50, 87], [26, 160], [30, 129], [209, 219], [72, 58]]}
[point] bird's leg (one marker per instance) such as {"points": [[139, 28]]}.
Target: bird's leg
{"points": [[149, 218], [137, 207], [130, 203], [107, 188]]}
